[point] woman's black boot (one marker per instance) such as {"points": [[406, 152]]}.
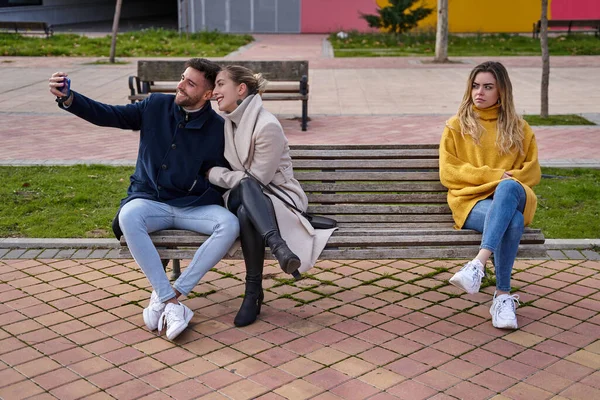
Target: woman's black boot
{"points": [[250, 309], [253, 249], [288, 261]]}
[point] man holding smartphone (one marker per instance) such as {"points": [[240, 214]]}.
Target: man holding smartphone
{"points": [[181, 138]]}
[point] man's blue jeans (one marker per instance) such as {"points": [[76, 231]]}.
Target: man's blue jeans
{"points": [[139, 217], [500, 219]]}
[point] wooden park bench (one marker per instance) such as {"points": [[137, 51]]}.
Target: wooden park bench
{"points": [[26, 27], [580, 25], [288, 80], [387, 199]]}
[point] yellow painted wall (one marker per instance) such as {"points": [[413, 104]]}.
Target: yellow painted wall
{"points": [[485, 15]]}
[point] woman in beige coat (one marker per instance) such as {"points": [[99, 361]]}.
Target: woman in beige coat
{"points": [[257, 149]]}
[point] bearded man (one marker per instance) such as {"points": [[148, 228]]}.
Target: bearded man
{"points": [[181, 138]]}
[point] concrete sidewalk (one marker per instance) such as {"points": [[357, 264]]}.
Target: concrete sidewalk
{"points": [[356, 100]]}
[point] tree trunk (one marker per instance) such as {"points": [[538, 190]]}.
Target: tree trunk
{"points": [[115, 29], [545, 59], [441, 36]]}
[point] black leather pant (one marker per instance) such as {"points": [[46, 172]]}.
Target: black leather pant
{"points": [[257, 219]]}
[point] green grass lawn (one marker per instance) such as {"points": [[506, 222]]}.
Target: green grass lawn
{"points": [[568, 206], [564, 119], [66, 202], [423, 44], [81, 201], [144, 43]]}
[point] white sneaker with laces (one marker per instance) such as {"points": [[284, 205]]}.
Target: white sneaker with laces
{"points": [[176, 318], [503, 311], [153, 312], [469, 277]]}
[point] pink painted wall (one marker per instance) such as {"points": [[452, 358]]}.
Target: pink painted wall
{"points": [[324, 16], [575, 9]]}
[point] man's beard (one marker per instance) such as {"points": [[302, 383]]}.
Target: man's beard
{"points": [[185, 100]]}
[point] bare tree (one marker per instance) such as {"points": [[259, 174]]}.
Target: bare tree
{"points": [[115, 29], [545, 59], [441, 36]]}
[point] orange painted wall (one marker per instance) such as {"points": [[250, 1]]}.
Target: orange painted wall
{"points": [[486, 15]]}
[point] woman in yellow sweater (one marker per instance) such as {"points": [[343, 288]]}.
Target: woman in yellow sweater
{"points": [[489, 163]]}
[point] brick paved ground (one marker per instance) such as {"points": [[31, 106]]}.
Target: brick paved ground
{"points": [[355, 330], [393, 329]]}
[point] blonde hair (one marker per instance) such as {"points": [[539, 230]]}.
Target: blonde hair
{"points": [[255, 83], [510, 125]]}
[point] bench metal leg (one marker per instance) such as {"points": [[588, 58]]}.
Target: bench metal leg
{"points": [[176, 268], [304, 92], [304, 114]]}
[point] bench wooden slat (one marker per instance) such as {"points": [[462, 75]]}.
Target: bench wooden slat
{"points": [[283, 96], [373, 187], [376, 198], [396, 219], [380, 209], [194, 238], [456, 252], [401, 153], [365, 148], [365, 176], [366, 164], [348, 232], [371, 240]]}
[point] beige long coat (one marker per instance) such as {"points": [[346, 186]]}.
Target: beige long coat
{"points": [[254, 140]]}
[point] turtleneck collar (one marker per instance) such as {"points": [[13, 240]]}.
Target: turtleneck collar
{"points": [[488, 114], [236, 115]]}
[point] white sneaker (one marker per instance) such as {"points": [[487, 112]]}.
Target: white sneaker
{"points": [[153, 312], [176, 317], [469, 277], [503, 311]]}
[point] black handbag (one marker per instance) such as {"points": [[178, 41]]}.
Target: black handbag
{"points": [[317, 221]]}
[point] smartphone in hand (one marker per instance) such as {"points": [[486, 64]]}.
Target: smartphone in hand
{"points": [[66, 88]]}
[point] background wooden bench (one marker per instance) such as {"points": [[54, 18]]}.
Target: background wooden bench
{"points": [[387, 199], [288, 80], [26, 27], [580, 25]]}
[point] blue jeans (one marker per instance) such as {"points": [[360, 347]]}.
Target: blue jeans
{"points": [[139, 217], [500, 219]]}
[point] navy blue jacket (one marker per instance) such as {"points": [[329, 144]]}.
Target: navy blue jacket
{"points": [[176, 148]]}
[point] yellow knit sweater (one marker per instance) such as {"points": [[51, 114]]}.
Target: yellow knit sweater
{"points": [[471, 172]]}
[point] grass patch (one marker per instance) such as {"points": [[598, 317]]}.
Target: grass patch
{"points": [[67, 202], [193, 295], [144, 43], [107, 62], [568, 206], [81, 201], [566, 119], [423, 44]]}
